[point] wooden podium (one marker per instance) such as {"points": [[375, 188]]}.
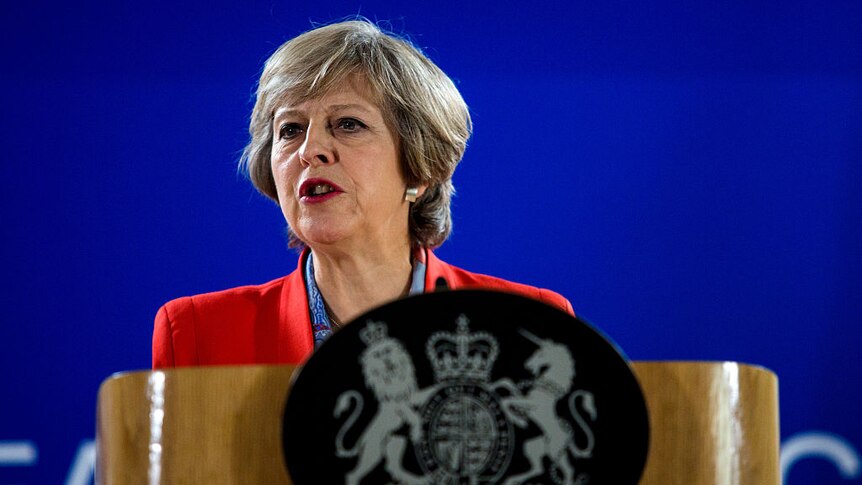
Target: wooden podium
{"points": [[710, 423]]}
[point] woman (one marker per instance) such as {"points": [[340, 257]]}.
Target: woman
{"points": [[355, 134]]}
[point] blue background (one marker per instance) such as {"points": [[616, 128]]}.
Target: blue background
{"points": [[688, 175]]}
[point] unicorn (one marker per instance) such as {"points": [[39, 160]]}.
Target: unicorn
{"points": [[553, 367]]}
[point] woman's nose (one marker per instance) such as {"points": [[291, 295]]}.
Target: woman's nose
{"points": [[317, 146]]}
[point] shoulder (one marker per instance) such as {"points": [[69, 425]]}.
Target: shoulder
{"points": [[233, 300], [460, 278], [221, 327]]}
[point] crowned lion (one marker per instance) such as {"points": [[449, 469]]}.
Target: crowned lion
{"points": [[389, 373]]}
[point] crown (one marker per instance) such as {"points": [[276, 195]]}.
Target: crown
{"points": [[463, 354], [373, 332]]}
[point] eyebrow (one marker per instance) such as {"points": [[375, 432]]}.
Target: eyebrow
{"points": [[343, 107]]}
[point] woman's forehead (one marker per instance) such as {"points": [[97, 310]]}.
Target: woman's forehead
{"points": [[352, 92]]}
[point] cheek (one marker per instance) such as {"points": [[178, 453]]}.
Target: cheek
{"points": [[284, 179], [382, 181]]}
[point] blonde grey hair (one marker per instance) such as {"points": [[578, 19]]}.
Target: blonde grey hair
{"points": [[421, 104]]}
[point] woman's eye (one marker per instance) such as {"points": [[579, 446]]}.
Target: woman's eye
{"points": [[289, 130], [350, 124]]}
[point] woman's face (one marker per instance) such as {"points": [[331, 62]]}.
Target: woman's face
{"points": [[336, 169]]}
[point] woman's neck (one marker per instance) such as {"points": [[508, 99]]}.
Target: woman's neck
{"points": [[354, 283]]}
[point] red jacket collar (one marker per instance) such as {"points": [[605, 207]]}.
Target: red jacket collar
{"points": [[296, 341], [436, 269]]}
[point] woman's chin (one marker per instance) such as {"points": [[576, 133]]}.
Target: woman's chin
{"points": [[318, 237]]}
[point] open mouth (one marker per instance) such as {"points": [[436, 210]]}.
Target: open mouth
{"points": [[320, 189], [317, 189]]}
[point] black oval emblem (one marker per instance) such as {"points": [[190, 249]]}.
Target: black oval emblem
{"points": [[466, 387]]}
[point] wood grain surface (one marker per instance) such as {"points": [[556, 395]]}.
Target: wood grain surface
{"points": [[710, 423], [207, 425]]}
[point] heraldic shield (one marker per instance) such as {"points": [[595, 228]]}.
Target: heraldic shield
{"points": [[466, 387]]}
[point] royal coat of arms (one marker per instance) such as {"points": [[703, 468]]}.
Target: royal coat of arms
{"points": [[461, 427]]}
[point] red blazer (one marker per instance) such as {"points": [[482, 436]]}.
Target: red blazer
{"points": [[270, 323]]}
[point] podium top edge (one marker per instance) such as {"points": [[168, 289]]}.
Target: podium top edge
{"points": [[128, 374], [172, 370], [706, 363]]}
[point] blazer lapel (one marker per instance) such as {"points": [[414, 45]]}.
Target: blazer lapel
{"points": [[295, 340]]}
